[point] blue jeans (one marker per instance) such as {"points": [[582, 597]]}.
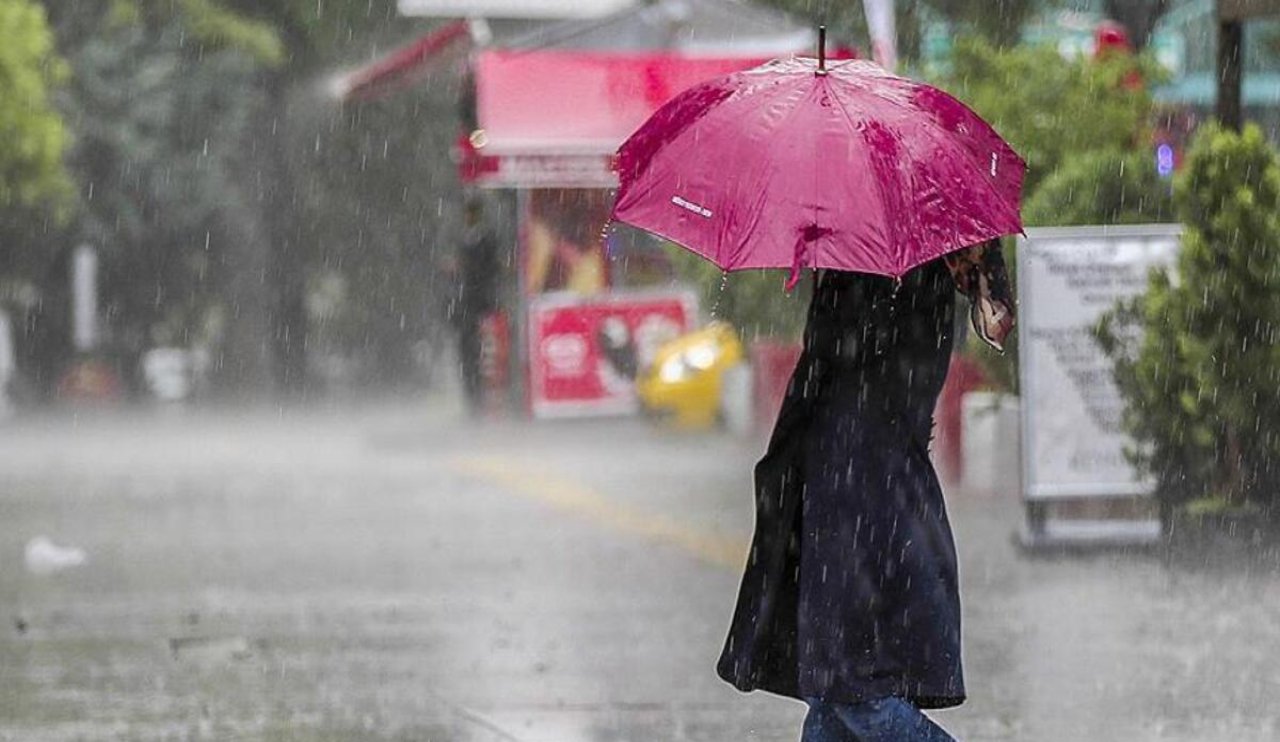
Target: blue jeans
{"points": [[882, 720]]}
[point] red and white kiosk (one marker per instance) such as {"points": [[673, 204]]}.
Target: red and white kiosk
{"points": [[548, 124], [552, 102]]}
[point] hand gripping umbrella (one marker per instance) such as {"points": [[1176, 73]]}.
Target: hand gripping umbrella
{"points": [[799, 164]]}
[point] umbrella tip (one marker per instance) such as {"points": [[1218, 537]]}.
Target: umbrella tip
{"points": [[822, 50]]}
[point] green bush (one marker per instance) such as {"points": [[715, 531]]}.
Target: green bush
{"points": [[1197, 358], [1051, 109], [1101, 187]]}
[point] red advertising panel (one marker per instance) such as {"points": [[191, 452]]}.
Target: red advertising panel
{"points": [[584, 353]]}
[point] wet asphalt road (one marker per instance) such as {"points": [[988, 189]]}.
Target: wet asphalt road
{"points": [[395, 573]]}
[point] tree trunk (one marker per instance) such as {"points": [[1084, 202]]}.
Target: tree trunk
{"points": [[1230, 108]]}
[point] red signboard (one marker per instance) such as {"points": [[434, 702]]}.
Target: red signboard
{"points": [[584, 353]]}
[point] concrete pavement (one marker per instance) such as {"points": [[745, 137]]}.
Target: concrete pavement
{"points": [[397, 573]]}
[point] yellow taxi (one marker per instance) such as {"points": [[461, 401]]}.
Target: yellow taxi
{"points": [[684, 382]]}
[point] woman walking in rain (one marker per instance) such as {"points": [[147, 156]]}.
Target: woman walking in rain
{"points": [[850, 599], [895, 192]]}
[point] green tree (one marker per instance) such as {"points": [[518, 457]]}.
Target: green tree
{"points": [[1101, 187], [1083, 127], [265, 203], [32, 135], [156, 122], [34, 184], [311, 36], [1053, 109], [204, 160], [1197, 358], [35, 190], [999, 22]]}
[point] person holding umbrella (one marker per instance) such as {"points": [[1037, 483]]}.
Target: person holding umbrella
{"points": [[895, 194], [866, 628]]}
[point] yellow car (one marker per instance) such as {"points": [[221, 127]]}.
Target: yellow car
{"points": [[683, 384]]}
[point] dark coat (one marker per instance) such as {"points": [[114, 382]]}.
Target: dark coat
{"points": [[850, 591]]}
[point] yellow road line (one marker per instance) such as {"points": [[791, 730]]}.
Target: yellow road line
{"points": [[538, 484]]}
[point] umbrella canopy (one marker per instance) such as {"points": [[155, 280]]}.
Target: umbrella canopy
{"points": [[794, 164]]}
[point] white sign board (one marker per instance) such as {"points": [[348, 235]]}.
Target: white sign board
{"points": [[1072, 441], [84, 298]]}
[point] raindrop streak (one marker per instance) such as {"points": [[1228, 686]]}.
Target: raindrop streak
{"points": [[724, 285]]}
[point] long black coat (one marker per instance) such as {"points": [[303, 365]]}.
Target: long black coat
{"points": [[850, 591]]}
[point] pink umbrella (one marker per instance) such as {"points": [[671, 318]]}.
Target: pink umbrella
{"points": [[794, 164]]}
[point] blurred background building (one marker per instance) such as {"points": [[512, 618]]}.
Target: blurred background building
{"points": [[274, 197]]}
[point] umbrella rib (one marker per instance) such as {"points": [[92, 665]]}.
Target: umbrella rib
{"points": [[854, 130], [680, 143], [678, 153], [992, 195], [771, 162], [934, 133], [726, 116]]}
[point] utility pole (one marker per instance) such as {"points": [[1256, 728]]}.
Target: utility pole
{"points": [[1230, 108], [1232, 15]]}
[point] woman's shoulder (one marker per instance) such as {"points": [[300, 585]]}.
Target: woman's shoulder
{"points": [[932, 277]]}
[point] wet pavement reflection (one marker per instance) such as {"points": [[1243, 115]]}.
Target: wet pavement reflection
{"points": [[394, 573]]}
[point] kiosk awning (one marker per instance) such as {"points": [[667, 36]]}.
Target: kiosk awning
{"points": [[556, 117], [400, 68]]}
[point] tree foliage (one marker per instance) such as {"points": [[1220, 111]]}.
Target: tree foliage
{"points": [[998, 22], [32, 135], [203, 171], [1102, 187], [1197, 357], [1083, 127], [210, 23], [156, 119], [1053, 109], [35, 190], [312, 34]]}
